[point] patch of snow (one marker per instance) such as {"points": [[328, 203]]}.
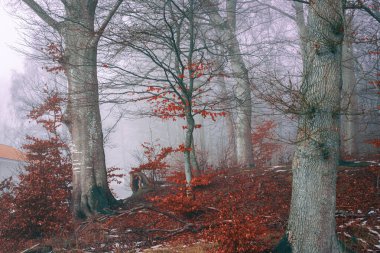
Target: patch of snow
{"points": [[349, 223], [371, 212], [280, 170], [277, 166], [374, 232], [360, 211], [156, 246], [364, 223], [377, 246], [345, 234], [361, 240]]}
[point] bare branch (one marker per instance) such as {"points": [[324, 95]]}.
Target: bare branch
{"points": [[64, 2], [374, 13], [108, 18], [43, 14], [300, 1], [278, 10]]}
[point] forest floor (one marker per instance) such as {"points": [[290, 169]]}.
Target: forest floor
{"points": [[231, 211]]}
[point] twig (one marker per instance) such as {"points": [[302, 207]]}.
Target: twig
{"points": [[34, 246]]}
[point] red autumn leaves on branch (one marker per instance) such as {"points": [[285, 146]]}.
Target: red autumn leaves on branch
{"points": [[171, 101], [38, 204]]}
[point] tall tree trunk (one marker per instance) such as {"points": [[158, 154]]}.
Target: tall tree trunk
{"points": [[227, 103], [90, 188], [311, 225], [349, 101], [231, 146], [188, 148], [91, 193], [226, 31], [193, 158]]}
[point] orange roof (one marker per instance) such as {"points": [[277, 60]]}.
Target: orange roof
{"points": [[11, 153]]}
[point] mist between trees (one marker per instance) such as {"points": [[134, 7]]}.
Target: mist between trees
{"points": [[206, 77]]}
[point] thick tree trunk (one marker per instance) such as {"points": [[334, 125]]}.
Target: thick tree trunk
{"points": [[226, 31], [244, 149], [90, 188], [349, 103], [311, 225], [91, 193]]}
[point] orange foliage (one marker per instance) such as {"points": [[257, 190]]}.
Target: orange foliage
{"points": [[238, 231], [171, 101], [376, 143], [54, 51], [39, 204], [263, 143], [178, 201]]}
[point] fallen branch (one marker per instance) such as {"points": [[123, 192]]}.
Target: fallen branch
{"points": [[34, 246]]}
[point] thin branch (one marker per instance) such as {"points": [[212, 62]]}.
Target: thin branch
{"points": [[375, 14], [108, 19], [43, 14], [300, 1], [64, 2], [278, 10]]}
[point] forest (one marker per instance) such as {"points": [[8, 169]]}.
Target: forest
{"points": [[195, 126]]}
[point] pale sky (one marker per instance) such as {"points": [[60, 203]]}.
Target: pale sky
{"points": [[10, 60]]}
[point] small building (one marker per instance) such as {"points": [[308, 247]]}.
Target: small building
{"points": [[12, 161]]}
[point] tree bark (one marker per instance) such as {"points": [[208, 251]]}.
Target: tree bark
{"points": [[311, 225], [349, 103], [188, 147], [91, 193], [231, 155], [231, 148], [193, 158]]}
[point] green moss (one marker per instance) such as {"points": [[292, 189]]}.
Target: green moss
{"points": [[345, 248], [325, 153], [80, 215], [311, 112], [99, 201], [283, 246]]}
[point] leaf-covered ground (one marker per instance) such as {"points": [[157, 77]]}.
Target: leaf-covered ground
{"points": [[232, 211]]}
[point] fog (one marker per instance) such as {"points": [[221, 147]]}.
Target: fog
{"points": [[10, 61], [277, 55]]}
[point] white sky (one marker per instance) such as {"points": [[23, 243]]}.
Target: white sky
{"points": [[10, 60]]}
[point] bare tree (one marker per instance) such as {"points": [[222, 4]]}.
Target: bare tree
{"points": [[76, 26], [167, 37]]}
